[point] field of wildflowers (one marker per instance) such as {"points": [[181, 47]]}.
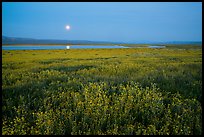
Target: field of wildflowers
{"points": [[133, 91]]}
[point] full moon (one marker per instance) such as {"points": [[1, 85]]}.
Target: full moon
{"points": [[67, 27]]}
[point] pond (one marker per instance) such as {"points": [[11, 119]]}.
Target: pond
{"points": [[39, 47]]}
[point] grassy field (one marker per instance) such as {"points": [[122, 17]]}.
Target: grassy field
{"points": [[102, 91]]}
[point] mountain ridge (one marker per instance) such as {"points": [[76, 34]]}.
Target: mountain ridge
{"points": [[18, 40]]}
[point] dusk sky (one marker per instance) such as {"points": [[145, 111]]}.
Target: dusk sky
{"points": [[104, 21]]}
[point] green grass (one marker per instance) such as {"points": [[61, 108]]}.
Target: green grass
{"points": [[102, 91]]}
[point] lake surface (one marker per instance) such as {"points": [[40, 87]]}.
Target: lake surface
{"points": [[156, 46], [39, 47]]}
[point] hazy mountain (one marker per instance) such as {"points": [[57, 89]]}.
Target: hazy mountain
{"points": [[167, 42], [182, 42], [15, 40]]}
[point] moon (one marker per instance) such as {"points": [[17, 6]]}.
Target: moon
{"points": [[67, 27]]}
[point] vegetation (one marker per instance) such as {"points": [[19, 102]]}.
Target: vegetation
{"points": [[132, 91]]}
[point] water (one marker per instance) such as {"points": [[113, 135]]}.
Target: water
{"points": [[96, 47], [31, 47], [39, 47], [156, 46]]}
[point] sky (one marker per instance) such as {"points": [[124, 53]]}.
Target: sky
{"points": [[104, 21]]}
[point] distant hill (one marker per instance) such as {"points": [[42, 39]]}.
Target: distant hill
{"points": [[15, 40], [168, 42], [183, 42]]}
